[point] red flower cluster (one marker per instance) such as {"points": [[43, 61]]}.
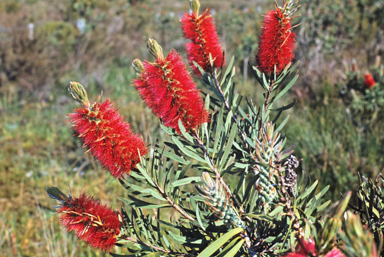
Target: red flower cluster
{"points": [[93, 223], [369, 81], [201, 30], [277, 42], [108, 137], [168, 89], [307, 249]]}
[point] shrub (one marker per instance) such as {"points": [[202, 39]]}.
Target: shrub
{"points": [[225, 175]]}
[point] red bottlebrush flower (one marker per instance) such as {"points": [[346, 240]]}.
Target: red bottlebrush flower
{"points": [[335, 253], [108, 137], [369, 81], [277, 42], [94, 223], [303, 249], [168, 89], [201, 30], [307, 249]]}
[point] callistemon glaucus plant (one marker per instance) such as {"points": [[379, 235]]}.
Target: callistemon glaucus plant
{"points": [[92, 222], [224, 188], [168, 89], [277, 41], [106, 135], [200, 29]]}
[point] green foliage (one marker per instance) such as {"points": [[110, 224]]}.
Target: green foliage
{"points": [[333, 23], [358, 241], [61, 35], [10, 6], [370, 206], [364, 105], [256, 215], [331, 31]]}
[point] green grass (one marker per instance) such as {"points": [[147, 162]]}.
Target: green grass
{"points": [[333, 149]]}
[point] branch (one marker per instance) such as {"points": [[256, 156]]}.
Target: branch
{"points": [[175, 206], [178, 208]]}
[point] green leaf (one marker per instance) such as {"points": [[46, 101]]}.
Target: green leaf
{"points": [[169, 131], [229, 84], [219, 128], [282, 124], [212, 248], [286, 236], [285, 107], [250, 185], [228, 247], [282, 92], [323, 206], [261, 217], [265, 83], [199, 218], [322, 192], [185, 181], [228, 122], [259, 75], [183, 239], [153, 193], [125, 255], [228, 146], [276, 210], [235, 249], [141, 204], [228, 70], [175, 157], [145, 174], [309, 190], [184, 131], [187, 151], [199, 67]]}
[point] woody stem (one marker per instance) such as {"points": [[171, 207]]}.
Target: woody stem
{"points": [[175, 206], [266, 105]]}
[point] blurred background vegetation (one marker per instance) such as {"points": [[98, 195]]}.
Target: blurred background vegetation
{"points": [[44, 44]]}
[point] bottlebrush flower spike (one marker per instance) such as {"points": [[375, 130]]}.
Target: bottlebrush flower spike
{"points": [[105, 133], [306, 248], [369, 81], [201, 30], [168, 89], [277, 41], [95, 224]]}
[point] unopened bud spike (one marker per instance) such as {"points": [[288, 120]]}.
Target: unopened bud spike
{"points": [[138, 65], [78, 92], [155, 49]]}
